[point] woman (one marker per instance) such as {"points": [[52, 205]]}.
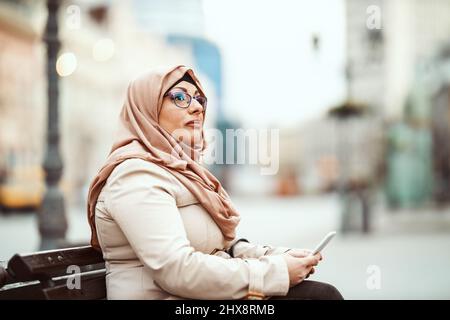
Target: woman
{"points": [[164, 223]]}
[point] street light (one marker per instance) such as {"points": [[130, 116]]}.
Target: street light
{"points": [[51, 215]]}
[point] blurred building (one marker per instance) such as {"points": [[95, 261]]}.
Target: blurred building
{"points": [[398, 65], [418, 162], [383, 58], [21, 104]]}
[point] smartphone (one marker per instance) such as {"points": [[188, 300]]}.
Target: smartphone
{"points": [[324, 242]]}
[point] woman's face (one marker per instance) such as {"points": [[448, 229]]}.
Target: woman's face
{"points": [[183, 123]]}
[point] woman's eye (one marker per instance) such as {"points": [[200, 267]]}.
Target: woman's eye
{"points": [[179, 96]]}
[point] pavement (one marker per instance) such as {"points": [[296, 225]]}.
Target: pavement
{"points": [[406, 256]]}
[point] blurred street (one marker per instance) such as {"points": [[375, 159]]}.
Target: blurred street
{"points": [[410, 248]]}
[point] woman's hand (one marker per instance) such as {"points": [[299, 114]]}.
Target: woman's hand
{"points": [[300, 268], [301, 253]]}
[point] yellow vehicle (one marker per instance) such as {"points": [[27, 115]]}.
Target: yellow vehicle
{"points": [[22, 188]]}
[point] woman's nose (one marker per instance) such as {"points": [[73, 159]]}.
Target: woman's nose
{"points": [[195, 107]]}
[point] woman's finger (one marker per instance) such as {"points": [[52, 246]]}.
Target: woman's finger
{"points": [[300, 253], [314, 262], [311, 260]]}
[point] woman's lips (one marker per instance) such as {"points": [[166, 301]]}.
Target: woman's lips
{"points": [[194, 124]]}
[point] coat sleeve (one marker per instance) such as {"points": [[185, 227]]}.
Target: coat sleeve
{"points": [[242, 248], [141, 200]]}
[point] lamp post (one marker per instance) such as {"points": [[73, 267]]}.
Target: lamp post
{"points": [[51, 215]]}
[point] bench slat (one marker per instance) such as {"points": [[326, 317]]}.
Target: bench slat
{"points": [[26, 292], [92, 288]]}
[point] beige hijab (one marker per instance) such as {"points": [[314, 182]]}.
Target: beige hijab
{"points": [[140, 136]]}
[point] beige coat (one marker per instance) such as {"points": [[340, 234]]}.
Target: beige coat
{"points": [[159, 243]]}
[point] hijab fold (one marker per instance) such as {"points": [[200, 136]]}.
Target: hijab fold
{"points": [[140, 136]]}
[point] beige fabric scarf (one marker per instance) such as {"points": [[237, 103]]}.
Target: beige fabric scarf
{"points": [[140, 136]]}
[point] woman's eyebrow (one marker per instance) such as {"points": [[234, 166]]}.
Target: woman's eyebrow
{"points": [[185, 90]]}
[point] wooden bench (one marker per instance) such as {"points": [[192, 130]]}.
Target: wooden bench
{"points": [[64, 274]]}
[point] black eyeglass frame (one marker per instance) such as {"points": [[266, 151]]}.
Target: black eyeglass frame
{"points": [[171, 95]]}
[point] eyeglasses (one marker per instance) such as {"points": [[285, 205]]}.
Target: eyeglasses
{"points": [[183, 99]]}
